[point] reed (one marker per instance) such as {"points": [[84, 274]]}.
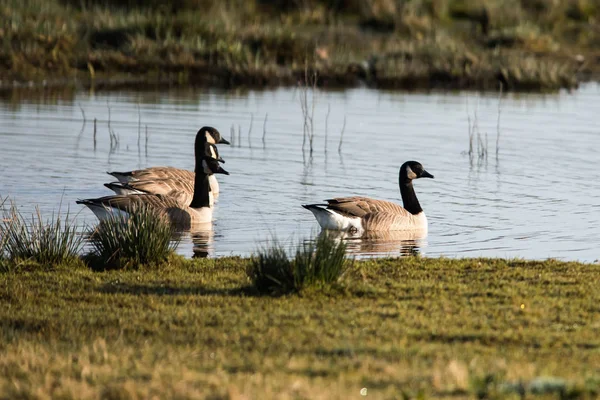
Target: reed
{"points": [[342, 136], [250, 130], [316, 263], [327, 124], [265, 128], [307, 104], [498, 120], [478, 142], [47, 242], [141, 238]]}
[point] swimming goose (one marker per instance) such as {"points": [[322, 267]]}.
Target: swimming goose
{"points": [[359, 214], [208, 135], [179, 184], [181, 216]]}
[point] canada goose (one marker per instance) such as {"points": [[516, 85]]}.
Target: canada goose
{"points": [[183, 217], [359, 214], [176, 183], [207, 135]]}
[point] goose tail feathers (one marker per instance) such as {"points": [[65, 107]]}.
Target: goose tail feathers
{"points": [[123, 188], [123, 177], [329, 219], [313, 206]]}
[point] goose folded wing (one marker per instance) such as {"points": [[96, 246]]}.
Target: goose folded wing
{"points": [[387, 221], [164, 173], [181, 190], [130, 203], [357, 206]]}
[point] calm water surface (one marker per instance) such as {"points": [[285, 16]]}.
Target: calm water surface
{"points": [[539, 197]]}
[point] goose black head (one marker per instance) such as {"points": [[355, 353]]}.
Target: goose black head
{"points": [[413, 170], [211, 135], [211, 166]]}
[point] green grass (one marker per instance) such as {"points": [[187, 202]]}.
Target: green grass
{"points": [[38, 240], [526, 45], [317, 263], [399, 328], [3, 237], [321, 261], [142, 238]]}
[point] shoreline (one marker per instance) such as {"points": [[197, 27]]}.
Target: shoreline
{"points": [[142, 84], [447, 45]]}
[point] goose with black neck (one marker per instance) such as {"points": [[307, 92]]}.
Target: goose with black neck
{"points": [[360, 214]]}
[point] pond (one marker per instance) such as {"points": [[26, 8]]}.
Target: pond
{"points": [[535, 193]]}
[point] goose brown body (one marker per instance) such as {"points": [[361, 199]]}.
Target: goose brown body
{"points": [[180, 190], [153, 173], [166, 207], [358, 213]]}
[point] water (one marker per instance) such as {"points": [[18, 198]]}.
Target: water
{"points": [[538, 198]]}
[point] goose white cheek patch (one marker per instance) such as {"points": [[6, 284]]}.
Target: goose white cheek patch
{"points": [[209, 137], [410, 173]]}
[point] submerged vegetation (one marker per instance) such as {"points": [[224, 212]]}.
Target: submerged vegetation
{"points": [[525, 45], [393, 328]]}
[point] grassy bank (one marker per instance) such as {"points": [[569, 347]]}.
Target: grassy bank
{"points": [[409, 327], [525, 45]]}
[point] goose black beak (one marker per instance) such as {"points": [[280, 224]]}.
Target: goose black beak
{"points": [[223, 141], [221, 171], [221, 160], [426, 174]]}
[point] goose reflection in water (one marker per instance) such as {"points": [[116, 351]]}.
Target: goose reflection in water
{"points": [[203, 240], [375, 243]]}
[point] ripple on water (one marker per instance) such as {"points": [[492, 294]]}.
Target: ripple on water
{"points": [[539, 198]]}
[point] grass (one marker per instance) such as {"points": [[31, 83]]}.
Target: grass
{"points": [[142, 238], [317, 263], [525, 45], [413, 327], [3, 237], [39, 241]]}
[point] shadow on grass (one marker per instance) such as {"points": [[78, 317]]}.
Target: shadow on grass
{"points": [[169, 290]]}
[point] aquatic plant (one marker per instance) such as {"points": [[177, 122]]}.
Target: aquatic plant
{"points": [[307, 105], [140, 238], [316, 262], [475, 135], [47, 242]]}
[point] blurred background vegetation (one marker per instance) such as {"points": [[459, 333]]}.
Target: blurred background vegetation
{"points": [[523, 44]]}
